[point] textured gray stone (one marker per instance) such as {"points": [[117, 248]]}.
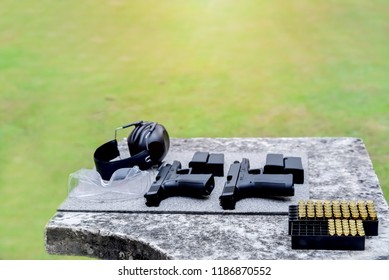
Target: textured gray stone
{"points": [[339, 168]]}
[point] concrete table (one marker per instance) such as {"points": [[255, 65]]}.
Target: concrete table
{"points": [[338, 168]]}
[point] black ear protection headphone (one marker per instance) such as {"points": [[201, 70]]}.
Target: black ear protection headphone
{"points": [[148, 144]]}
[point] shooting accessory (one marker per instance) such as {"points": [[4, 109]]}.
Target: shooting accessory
{"points": [[243, 182], [335, 225], [148, 145], [174, 181], [125, 183], [322, 235], [277, 164], [205, 163]]}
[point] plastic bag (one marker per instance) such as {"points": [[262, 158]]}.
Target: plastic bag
{"points": [[125, 183]]}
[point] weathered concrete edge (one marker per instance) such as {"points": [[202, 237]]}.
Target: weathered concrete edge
{"points": [[95, 244]]}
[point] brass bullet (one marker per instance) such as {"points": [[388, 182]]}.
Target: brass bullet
{"points": [[337, 215], [369, 202], [370, 209], [354, 210], [373, 216], [328, 210], [364, 216], [362, 209], [346, 215], [355, 215], [336, 210], [328, 215]]}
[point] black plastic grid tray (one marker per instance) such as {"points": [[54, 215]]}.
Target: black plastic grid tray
{"points": [[314, 235]]}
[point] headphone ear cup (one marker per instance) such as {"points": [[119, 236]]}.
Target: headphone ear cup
{"points": [[137, 141], [131, 138], [135, 133], [158, 143]]}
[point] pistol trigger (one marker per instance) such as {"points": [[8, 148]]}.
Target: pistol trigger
{"points": [[184, 171], [255, 171]]}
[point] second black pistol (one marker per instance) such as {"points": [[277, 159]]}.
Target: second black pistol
{"points": [[243, 182]]}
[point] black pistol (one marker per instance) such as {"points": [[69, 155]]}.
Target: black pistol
{"points": [[243, 182], [174, 181]]}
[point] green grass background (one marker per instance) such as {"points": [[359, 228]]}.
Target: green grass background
{"points": [[71, 71]]}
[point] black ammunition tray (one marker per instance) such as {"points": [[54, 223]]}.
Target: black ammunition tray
{"points": [[314, 235], [370, 226], [332, 225]]}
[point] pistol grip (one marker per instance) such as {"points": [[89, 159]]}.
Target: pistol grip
{"points": [[154, 196], [194, 185], [266, 185]]}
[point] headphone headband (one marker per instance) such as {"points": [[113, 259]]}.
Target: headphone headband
{"points": [[144, 158]]}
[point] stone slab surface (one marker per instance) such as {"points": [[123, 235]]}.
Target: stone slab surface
{"points": [[339, 168], [210, 205]]}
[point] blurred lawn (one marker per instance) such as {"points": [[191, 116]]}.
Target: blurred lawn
{"points": [[71, 71]]}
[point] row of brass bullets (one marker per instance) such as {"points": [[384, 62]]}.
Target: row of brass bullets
{"points": [[331, 227], [360, 229], [338, 227], [354, 210], [345, 210], [337, 209], [345, 227], [362, 209], [310, 209], [353, 228], [319, 209], [327, 209], [371, 210], [302, 212]]}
